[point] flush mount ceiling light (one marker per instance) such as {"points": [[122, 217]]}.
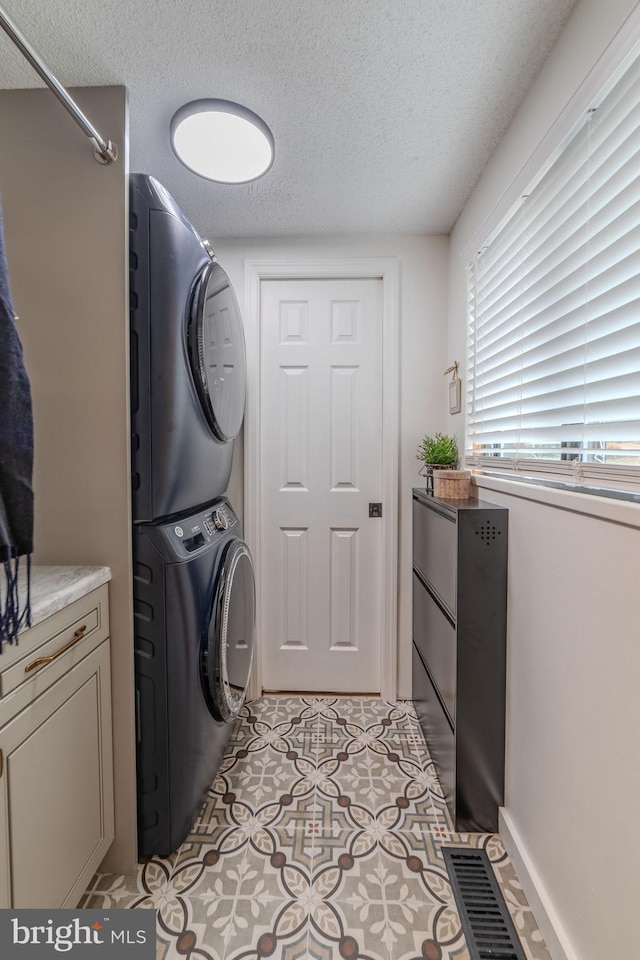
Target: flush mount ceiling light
{"points": [[222, 141]]}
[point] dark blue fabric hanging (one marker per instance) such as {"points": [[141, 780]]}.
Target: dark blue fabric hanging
{"points": [[16, 468]]}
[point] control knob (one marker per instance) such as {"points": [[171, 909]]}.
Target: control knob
{"points": [[220, 519]]}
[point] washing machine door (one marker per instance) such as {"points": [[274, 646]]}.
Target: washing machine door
{"points": [[217, 352], [227, 650]]}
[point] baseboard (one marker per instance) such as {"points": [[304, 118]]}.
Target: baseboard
{"points": [[551, 928]]}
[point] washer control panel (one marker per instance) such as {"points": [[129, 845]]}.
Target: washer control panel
{"points": [[188, 535]]}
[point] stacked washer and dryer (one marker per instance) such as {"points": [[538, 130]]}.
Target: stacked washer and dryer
{"points": [[194, 593]]}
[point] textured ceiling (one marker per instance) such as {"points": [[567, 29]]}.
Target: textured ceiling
{"points": [[384, 112]]}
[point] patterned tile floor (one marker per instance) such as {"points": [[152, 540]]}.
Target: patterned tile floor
{"points": [[319, 839]]}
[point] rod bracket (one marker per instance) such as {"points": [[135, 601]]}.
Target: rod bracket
{"points": [[108, 155]]}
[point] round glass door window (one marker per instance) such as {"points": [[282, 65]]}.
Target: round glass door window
{"points": [[227, 651], [217, 352]]}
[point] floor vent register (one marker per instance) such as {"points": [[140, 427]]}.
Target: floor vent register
{"points": [[486, 922]]}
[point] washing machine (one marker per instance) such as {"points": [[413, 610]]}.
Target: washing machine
{"points": [[194, 614], [187, 359]]}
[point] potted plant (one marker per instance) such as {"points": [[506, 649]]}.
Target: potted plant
{"points": [[441, 458], [439, 451]]}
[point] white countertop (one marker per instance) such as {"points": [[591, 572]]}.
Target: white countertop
{"points": [[53, 588]]}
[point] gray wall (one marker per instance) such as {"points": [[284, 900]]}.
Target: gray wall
{"points": [[66, 233], [573, 778]]}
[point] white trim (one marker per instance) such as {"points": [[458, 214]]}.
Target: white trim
{"points": [[551, 928], [622, 47], [623, 512], [387, 270]]}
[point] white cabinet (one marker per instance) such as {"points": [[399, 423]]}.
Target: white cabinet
{"points": [[56, 764]]}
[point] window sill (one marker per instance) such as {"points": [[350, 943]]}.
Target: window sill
{"points": [[562, 497]]}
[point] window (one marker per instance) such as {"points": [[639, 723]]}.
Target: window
{"points": [[554, 313]]}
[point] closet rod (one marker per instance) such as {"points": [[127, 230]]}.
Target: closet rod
{"points": [[105, 151]]}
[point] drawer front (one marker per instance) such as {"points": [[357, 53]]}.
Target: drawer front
{"points": [[434, 551], [436, 728], [435, 638], [66, 636]]}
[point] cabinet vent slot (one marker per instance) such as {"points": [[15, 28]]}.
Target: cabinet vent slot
{"points": [[486, 922], [488, 532]]}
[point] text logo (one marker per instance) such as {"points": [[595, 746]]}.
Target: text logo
{"points": [[105, 935]]}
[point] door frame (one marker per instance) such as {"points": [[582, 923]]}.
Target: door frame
{"points": [[385, 269]]}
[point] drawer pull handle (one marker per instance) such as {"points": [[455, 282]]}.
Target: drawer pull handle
{"points": [[40, 662], [1, 763]]}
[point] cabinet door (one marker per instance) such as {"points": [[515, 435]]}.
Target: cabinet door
{"points": [[56, 790], [435, 639], [435, 543], [437, 729]]}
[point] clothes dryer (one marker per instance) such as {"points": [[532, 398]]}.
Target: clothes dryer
{"points": [[187, 359], [194, 603]]}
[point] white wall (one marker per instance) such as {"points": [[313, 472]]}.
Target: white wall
{"points": [[423, 291], [573, 722]]}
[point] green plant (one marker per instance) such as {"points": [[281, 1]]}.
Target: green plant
{"points": [[439, 451]]}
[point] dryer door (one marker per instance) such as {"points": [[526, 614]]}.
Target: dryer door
{"points": [[217, 352], [227, 650]]}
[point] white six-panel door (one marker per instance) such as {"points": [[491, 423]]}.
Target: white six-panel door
{"points": [[321, 456]]}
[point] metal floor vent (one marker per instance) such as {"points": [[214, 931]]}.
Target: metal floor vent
{"points": [[486, 922]]}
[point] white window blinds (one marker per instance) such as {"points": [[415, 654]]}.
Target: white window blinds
{"points": [[554, 309]]}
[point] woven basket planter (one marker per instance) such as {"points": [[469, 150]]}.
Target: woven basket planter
{"points": [[452, 484]]}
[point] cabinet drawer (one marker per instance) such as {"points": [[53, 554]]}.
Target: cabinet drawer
{"points": [[434, 551], [66, 636], [435, 638]]}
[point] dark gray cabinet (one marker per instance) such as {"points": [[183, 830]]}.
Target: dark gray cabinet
{"points": [[459, 648]]}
